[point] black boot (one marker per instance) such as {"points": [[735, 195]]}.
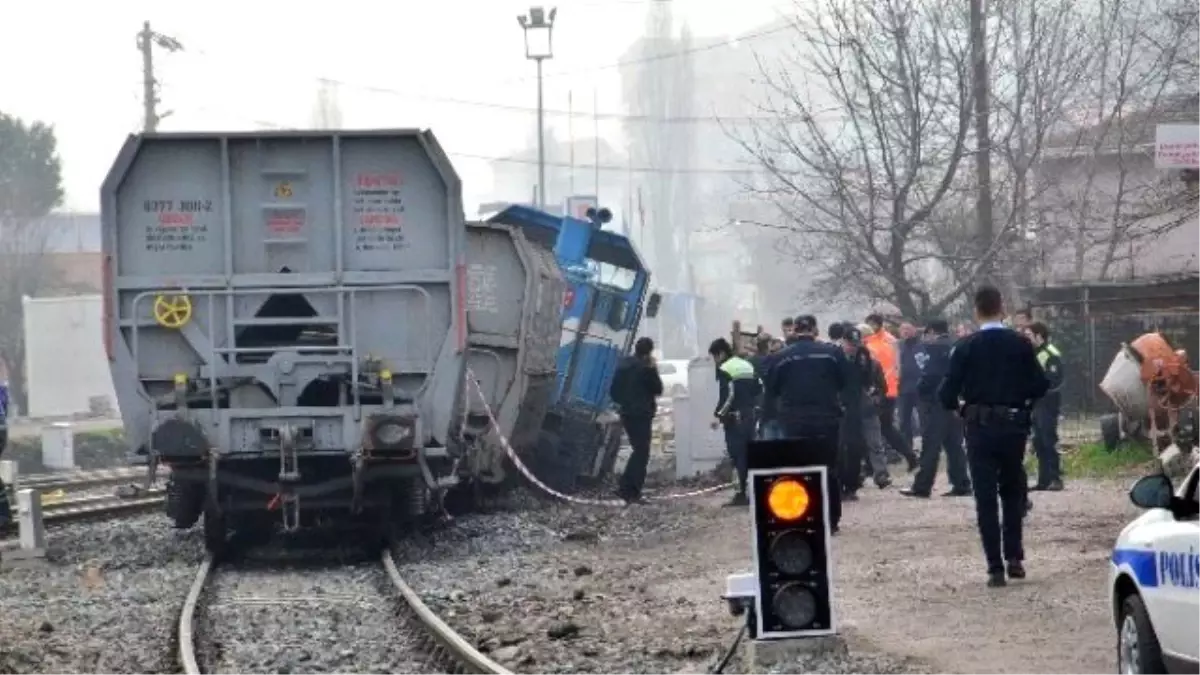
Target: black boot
{"points": [[1016, 570], [996, 579]]}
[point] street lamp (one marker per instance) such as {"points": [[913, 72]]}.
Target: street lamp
{"points": [[539, 46]]}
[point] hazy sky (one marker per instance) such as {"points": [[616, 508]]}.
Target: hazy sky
{"points": [[251, 63]]}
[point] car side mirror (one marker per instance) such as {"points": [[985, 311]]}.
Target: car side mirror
{"points": [[1152, 492], [652, 305]]}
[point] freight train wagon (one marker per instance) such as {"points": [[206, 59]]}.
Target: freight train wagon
{"points": [[514, 298], [286, 322]]}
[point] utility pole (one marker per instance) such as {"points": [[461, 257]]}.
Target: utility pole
{"points": [[983, 152], [146, 40]]}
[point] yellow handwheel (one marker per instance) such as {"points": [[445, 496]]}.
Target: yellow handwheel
{"points": [[172, 311]]}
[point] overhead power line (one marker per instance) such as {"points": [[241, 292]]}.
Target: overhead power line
{"points": [[619, 168], [607, 116]]}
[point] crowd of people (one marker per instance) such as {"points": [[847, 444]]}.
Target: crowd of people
{"points": [[976, 393], [860, 396]]}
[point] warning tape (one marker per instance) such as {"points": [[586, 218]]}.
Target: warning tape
{"points": [[512, 455]]}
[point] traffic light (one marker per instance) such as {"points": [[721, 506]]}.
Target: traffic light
{"points": [[793, 568]]}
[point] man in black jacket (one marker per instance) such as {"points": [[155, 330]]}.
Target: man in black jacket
{"points": [[806, 382], [861, 433], [635, 389]]}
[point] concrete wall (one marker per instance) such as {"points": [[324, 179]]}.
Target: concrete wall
{"points": [[64, 355]]}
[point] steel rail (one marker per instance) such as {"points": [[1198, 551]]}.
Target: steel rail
{"points": [[459, 649], [462, 650], [187, 633]]}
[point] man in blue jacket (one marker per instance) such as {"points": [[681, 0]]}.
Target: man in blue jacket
{"points": [[941, 428], [910, 375]]}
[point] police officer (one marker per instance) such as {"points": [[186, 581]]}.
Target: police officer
{"points": [[994, 380], [806, 382], [1045, 413], [739, 391], [941, 430]]}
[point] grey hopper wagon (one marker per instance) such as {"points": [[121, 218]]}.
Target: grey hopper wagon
{"points": [[286, 321], [515, 294]]}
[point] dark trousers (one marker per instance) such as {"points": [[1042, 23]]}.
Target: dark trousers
{"points": [[1045, 440], [995, 453], [941, 431], [826, 435], [852, 450], [891, 436], [906, 405], [5, 512], [638, 430], [738, 434]]}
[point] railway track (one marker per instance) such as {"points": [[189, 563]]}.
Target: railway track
{"points": [[254, 616], [75, 509]]}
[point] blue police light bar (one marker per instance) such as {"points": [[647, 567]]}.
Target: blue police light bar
{"points": [[819, 471]]}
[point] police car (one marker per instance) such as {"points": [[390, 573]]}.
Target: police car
{"points": [[1155, 579]]}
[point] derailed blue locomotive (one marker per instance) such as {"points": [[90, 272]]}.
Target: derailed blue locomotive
{"points": [[608, 293]]}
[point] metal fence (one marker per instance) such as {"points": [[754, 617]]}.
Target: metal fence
{"points": [[1088, 323]]}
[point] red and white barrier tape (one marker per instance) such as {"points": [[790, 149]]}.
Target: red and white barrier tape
{"points": [[512, 455]]}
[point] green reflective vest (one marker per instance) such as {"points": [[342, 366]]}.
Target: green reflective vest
{"points": [[1046, 352], [738, 368]]}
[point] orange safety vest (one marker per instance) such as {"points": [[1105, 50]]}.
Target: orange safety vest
{"points": [[884, 349]]}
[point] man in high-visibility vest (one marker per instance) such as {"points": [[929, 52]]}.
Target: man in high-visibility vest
{"points": [[1045, 413], [739, 390], [885, 350]]}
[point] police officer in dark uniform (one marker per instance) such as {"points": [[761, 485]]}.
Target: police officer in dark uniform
{"points": [[993, 381], [941, 430], [739, 395], [1045, 413], [806, 383]]}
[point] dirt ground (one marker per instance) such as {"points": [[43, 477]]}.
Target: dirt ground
{"points": [[910, 579], [910, 586]]}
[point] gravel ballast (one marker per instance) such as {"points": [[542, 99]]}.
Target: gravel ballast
{"points": [[557, 588], [332, 616], [107, 605]]}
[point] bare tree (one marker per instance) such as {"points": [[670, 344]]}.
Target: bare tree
{"points": [[859, 157], [1040, 54], [1106, 199], [30, 185]]}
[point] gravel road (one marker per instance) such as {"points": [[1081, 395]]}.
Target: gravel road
{"points": [[552, 588]]}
